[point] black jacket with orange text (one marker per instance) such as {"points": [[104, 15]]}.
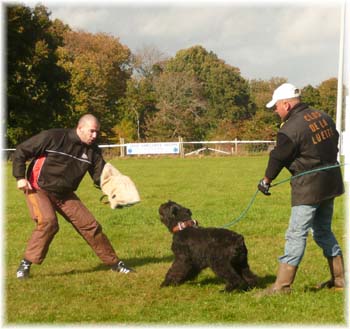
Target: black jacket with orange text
{"points": [[308, 140], [66, 160]]}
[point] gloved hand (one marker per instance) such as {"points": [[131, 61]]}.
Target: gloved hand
{"points": [[264, 187]]}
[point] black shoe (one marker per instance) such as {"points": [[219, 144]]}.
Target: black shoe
{"points": [[121, 268], [23, 269]]}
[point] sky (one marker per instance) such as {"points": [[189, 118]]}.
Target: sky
{"points": [[296, 40]]}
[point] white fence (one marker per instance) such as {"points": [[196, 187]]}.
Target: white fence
{"points": [[181, 148]]}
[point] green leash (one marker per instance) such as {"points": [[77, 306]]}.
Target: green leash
{"points": [[279, 183], [243, 212], [307, 172]]}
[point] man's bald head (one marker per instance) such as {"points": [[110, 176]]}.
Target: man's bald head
{"points": [[87, 118], [88, 128]]}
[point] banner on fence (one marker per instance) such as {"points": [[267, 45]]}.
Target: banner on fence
{"points": [[153, 148]]}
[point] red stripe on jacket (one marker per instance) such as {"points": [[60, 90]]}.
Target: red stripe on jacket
{"points": [[34, 176]]}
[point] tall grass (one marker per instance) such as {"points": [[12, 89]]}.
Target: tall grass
{"points": [[73, 287]]}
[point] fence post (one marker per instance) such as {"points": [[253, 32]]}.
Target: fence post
{"points": [[122, 147], [236, 146], [182, 151]]}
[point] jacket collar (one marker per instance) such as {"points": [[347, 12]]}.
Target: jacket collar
{"points": [[295, 109], [74, 136]]}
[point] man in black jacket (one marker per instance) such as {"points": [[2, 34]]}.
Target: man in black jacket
{"points": [[307, 140], [60, 159]]}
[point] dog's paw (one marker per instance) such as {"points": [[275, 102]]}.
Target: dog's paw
{"points": [[237, 287], [252, 283], [164, 284], [224, 291], [170, 283]]}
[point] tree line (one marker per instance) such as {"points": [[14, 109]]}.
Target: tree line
{"points": [[56, 74]]}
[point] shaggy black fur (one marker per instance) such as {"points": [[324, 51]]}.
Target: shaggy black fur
{"points": [[196, 248]]}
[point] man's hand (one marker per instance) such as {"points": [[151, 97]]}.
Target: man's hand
{"points": [[264, 187], [23, 184]]}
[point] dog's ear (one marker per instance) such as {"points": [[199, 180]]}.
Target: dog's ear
{"points": [[174, 209]]}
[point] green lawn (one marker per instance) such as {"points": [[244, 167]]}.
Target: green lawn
{"points": [[72, 287]]}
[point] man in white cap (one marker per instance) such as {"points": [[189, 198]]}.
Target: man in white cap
{"points": [[307, 140]]}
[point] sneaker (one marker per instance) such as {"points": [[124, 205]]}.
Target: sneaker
{"points": [[23, 269], [121, 268]]}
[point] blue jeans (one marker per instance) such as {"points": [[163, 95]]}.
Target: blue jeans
{"points": [[318, 218]]}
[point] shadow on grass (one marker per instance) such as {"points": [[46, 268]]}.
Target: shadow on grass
{"points": [[132, 262], [315, 289], [263, 282], [135, 262]]}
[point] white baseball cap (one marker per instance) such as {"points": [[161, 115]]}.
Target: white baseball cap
{"points": [[284, 91]]}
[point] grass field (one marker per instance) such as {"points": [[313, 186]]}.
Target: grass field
{"points": [[72, 287]]}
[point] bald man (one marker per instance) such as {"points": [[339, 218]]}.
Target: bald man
{"points": [[60, 159]]}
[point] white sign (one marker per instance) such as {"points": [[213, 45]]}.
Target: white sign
{"points": [[153, 148]]}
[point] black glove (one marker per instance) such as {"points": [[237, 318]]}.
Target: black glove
{"points": [[264, 187]]}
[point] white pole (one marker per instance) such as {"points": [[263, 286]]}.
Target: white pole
{"points": [[346, 82], [340, 80], [346, 137]]}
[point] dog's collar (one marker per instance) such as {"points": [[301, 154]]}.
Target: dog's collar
{"points": [[182, 225]]}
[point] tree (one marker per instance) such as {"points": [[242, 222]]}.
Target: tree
{"points": [[261, 91], [146, 60], [139, 100], [328, 96], [100, 68], [181, 108], [37, 88], [311, 96], [226, 91], [138, 103], [263, 124]]}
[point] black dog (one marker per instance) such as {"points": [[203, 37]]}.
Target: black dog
{"points": [[196, 248]]}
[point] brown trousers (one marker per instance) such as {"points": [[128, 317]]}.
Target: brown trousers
{"points": [[43, 206]]}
